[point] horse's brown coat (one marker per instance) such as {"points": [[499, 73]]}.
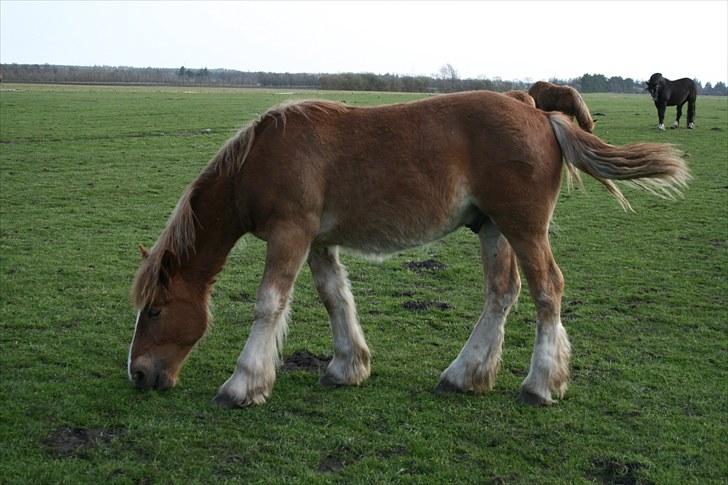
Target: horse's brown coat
{"points": [[522, 96]]}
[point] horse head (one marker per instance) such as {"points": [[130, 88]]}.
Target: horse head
{"points": [[654, 85], [172, 316]]}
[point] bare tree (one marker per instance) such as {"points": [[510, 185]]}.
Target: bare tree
{"points": [[447, 72]]}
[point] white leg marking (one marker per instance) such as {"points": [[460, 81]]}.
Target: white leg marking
{"points": [[478, 362], [675, 124], [350, 364], [131, 345], [691, 125], [255, 370], [661, 126], [549, 371], [477, 365]]}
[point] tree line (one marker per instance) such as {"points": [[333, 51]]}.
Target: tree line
{"points": [[446, 80]]}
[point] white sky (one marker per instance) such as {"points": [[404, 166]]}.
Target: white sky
{"points": [[512, 40]]}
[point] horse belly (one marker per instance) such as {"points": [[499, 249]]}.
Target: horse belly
{"points": [[379, 228]]}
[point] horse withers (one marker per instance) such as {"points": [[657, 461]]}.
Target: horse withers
{"points": [[312, 176], [673, 93]]}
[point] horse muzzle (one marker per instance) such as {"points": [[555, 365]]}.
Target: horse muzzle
{"points": [[147, 374]]}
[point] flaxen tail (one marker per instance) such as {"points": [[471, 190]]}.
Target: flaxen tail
{"points": [[655, 167]]}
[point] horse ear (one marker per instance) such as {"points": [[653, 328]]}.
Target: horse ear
{"points": [[143, 251]]}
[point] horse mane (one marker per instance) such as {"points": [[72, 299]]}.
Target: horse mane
{"points": [[177, 241]]}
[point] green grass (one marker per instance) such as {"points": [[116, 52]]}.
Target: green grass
{"points": [[87, 173]]}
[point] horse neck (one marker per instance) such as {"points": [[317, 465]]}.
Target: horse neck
{"points": [[217, 227]]}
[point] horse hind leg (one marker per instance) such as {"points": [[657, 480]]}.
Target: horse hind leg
{"points": [[549, 369], [476, 367], [255, 370], [350, 365], [691, 113]]}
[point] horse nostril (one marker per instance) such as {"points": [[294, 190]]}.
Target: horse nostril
{"points": [[138, 378]]}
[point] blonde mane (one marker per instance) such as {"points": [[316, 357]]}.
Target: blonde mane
{"points": [[177, 241]]}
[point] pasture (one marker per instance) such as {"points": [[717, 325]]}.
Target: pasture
{"points": [[88, 173]]}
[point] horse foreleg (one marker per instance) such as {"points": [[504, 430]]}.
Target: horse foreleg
{"points": [[691, 113], [477, 365], [255, 371], [350, 364], [661, 115], [549, 370], [678, 114]]}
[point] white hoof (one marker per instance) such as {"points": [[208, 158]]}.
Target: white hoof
{"points": [[661, 127], [675, 124], [691, 126]]}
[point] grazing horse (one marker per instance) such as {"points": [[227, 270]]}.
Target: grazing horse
{"points": [[312, 176], [552, 97], [673, 93]]}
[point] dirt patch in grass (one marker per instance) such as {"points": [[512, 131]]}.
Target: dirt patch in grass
{"points": [[67, 441], [331, 464], [242, 297], [614, 471], [425, 305], [426, 265], [337, 460], [306, 361], [393, 452]]}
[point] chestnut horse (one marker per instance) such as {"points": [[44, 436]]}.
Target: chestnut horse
{"points": [[552, 97], [312, 176]]}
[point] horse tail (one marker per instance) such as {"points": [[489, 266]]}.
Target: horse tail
{"points": [[581, 111], [655, 167]]}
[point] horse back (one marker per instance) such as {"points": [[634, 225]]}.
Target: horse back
{"points": [[680, 91], [384, 178]]}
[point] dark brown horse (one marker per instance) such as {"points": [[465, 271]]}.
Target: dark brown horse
{"points": [[673, 93], [312, 176], [552, 97]]}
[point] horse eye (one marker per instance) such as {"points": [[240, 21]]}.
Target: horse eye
{"points": [[153, 312]]}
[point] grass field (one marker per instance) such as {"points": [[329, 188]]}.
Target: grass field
{"points": [[87, 173]]}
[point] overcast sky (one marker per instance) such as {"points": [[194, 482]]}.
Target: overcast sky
{"points": [[512, 40]]}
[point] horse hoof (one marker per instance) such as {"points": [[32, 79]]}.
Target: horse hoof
{"points": [[533, 399], [691, 126], [445, 386], [661, 127], [329, 382], [226, 402]]}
